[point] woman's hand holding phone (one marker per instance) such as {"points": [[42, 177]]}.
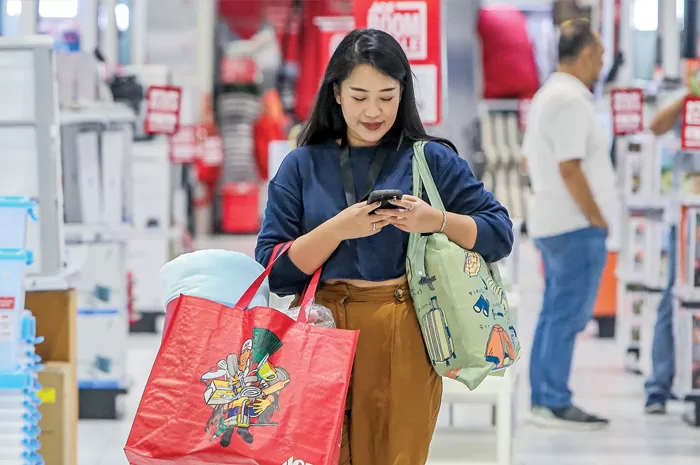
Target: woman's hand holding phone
{"points": [[414, 215], [356, 221]]}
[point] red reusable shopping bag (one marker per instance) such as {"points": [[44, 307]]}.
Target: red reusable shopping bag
{"points": [[249, 387]]}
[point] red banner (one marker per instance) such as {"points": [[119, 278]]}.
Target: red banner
{"points": [[417, 25], [162, 110], [690, 131], [183, 145], [627, 111]]}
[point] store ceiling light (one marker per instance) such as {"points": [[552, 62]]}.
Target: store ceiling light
{"points": [[58, 8], [121, 14], [13, 7]]}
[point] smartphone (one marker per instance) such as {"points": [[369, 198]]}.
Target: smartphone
{"points": [[384, 196]]}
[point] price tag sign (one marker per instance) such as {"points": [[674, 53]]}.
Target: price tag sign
{"points": [[523, 110], [627, 111], [239, 70], [690, 129], [211, 151], [162, 110], [183, 145]]}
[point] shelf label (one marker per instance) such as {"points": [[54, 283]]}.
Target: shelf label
{"points": [[183, 145], [163, 110], [627, 111], [690, 129]]}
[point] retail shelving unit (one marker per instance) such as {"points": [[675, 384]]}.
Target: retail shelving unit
{"points": [[661, 191], [500, 138], [149, 245], [97, 157], [28, 136], [643, 261], [687, 303]]}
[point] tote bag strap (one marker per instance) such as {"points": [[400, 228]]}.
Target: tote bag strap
{"points": [[277, 252], [423, 178]]}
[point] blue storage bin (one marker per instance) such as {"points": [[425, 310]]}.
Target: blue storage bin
{"points": [[14, 211], [13, 263]]}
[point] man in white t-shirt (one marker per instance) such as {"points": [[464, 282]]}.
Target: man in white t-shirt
{"points": [[574, 194]]}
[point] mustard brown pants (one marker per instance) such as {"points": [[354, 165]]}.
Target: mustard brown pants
{"points": [[394, 397]]}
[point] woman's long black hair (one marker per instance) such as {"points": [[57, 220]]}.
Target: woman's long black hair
{"points": [[381, 51]]}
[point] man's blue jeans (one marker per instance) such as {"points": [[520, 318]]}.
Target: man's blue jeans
{"points": [[663, 353], [573, 265]]}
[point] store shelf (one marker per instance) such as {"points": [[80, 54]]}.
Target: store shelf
{"points": [[646, 203], [489, 105], [104, 113], [47, 283], [96, 232], [687, 294]]}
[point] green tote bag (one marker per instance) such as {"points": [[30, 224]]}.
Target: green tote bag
{"points": [[459, 299]]}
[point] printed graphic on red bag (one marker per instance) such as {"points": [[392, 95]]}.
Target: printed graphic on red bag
{"points": [[243, 389]]}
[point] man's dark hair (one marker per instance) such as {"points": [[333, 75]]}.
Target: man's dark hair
{"points": [[574, 36]]}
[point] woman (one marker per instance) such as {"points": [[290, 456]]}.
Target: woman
{"points": [[365, 120]]}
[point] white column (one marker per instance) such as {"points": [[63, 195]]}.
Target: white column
{"points": [[28, 18], [608, 32], [138, 31], [108, 35], [626, 42], [87, 12], [206, 23], [670, 39]]}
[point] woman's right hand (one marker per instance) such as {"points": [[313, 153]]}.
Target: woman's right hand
{"points": [[355, 221]]}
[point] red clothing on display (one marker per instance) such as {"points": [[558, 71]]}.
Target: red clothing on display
{"points": [[509, 68]]}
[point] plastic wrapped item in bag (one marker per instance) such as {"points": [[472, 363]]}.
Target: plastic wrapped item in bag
{"points": [[316, 315]]}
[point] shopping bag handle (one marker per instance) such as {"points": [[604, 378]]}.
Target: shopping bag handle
{"points": [[308, 296]]}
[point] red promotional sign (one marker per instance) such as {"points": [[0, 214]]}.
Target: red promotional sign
{"points": [[627, 111], [211, 151], [7, 303], [183, 145], [332, 31], [162, 110], [523, 110], [690, 131], [417, 25], [239, 70]]}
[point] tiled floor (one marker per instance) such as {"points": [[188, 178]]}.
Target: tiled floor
{"points": [[598, 382]]}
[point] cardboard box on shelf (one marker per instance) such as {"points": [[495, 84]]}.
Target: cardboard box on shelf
{"points": [[59, 412]]}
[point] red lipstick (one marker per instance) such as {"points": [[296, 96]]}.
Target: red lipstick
{"points": [[372, 126]]}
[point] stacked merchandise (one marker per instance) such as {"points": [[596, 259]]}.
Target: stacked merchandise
{"points": [[19, 363], [687, 315], [500, 139], [645, 166], [237, 108]]}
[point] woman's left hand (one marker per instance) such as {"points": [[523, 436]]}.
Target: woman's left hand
{"points": [[414, 215]]}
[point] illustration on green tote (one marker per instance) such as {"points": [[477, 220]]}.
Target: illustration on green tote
{"points": [[500, 349], [437, 335], [472, 264]]}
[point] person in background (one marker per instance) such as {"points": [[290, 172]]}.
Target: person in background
{"points": [[658, 386], [360, 138], [573, 195]]}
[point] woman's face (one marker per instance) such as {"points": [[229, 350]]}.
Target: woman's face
{"points": [[370, 102]]}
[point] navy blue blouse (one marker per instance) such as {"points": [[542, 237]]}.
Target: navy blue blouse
{"points": [[308, 190]]}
